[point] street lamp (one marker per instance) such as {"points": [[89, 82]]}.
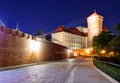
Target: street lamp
{"points": [[88, 51], [70, 53], [103, 52], [34, 45]]}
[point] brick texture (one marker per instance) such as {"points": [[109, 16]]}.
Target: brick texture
{"points": [[16, 48]]}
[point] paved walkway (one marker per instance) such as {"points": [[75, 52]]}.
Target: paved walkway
{"points": [[86, 73], [61, 71]]}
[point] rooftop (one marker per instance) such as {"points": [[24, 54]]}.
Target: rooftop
{"points": [[70, 30], [96, 15]]}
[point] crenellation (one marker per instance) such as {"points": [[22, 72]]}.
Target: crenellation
{"points": [[14, 32], [32, 37], [26, 36], [21, 34], [10, 31], [6, 30], [1, 28], [18, 48], [29, 37]]}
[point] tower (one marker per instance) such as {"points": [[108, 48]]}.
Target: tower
{"points": [[95, 25]]}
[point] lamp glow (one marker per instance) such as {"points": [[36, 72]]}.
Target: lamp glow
{"points": [[103, 51], [34, 45], [87, 50]]}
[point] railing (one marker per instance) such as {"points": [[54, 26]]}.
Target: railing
{"points": [[109, 68]]}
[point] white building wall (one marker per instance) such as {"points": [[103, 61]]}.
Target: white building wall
{"points": [[57, 38], [69, 40]]}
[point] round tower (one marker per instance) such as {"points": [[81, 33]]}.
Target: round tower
{"points": [[95, 24]]}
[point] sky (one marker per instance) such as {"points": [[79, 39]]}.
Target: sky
{"points": [[47, 15]]}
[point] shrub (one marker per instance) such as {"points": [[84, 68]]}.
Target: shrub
{"points": [[109, 69]]}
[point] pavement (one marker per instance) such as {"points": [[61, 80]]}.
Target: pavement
{"points": [[62, 71], [86, 72]]}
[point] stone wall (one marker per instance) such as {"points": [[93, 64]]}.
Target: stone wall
{"points": [[18, 48]]}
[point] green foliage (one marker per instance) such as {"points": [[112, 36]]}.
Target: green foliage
{"points": [[111, 70], [113, 59], [117, 27], [101, 41], [115, 43], [118, 58], [109, 43], [39, 33]]}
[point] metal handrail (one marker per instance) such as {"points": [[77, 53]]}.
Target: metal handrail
{"points": [[109, 68], [117, 65]]}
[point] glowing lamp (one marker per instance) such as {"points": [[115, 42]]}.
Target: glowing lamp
{"points": [[34, 45], [103, 51], [87, 50]]}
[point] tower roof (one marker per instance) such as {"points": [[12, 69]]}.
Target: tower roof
{"points": [[95, 14], [104, 29]]}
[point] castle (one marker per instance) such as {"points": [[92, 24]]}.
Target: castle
{"points": [[95, 26], [79, 37], [24, 48]]}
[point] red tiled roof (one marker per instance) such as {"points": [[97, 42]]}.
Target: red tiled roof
{"points": [[70, 30], [104, 29]]}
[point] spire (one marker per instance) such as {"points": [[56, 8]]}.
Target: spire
{"points": [[94, 11], [17, 26]]}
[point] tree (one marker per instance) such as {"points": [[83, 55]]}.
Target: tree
{"points": [[115, 43], [101, 41], [117, 28], [39, 33]]}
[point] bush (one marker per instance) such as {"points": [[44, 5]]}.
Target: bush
{"points": [[111, 70], [112, 59]]}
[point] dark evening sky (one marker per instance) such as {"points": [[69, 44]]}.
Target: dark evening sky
{"points": [[46, 15]]}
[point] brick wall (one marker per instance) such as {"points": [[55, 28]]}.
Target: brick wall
{"points": [[19, 48]]}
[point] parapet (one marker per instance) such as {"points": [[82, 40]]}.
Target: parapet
{"points": [[18, 33], [21, 34]]}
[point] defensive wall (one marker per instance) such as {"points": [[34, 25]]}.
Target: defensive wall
{"points": [[18, 48]]}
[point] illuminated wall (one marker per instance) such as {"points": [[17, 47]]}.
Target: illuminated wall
{"points": [[72, 41], [95, 24], [20, 48]]}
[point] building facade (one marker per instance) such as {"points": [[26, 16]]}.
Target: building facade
{"points": [[95, 26], [79, 37], [73, 38]]}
